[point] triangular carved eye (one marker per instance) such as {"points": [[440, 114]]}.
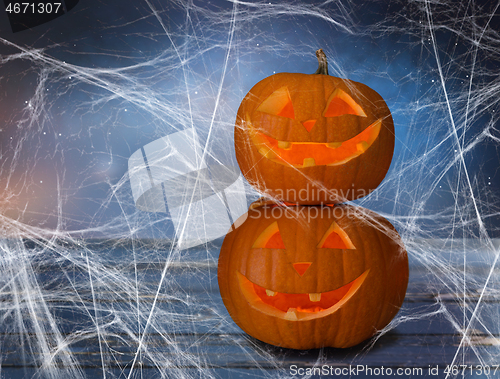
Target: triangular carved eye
{"points": [[270, 238], [335, 238], [340, 103], [278, 103]]}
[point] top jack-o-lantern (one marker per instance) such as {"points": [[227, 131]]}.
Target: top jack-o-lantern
{"points": [[313, 139]]}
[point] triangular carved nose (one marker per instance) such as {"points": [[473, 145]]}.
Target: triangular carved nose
{"points": [[301, 267], [308, 124]]}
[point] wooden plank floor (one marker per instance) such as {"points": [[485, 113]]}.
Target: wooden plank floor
{"points": [[198, 339]]}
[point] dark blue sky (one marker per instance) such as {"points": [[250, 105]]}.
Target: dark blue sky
{"points": [[80, 94]]}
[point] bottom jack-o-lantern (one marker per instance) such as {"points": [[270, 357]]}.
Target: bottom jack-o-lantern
{"points": [[307, 277]]}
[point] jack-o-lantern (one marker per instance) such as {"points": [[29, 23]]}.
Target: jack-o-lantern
{"points": [[313, 139], [306, 277]]}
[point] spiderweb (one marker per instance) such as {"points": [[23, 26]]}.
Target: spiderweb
{"points": [[93, 285]]}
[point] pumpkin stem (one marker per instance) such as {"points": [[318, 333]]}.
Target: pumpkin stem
{"points": [[322, 63]]}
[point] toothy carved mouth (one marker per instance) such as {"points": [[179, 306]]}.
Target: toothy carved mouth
{"points": [[298, 306], [309, 154]]}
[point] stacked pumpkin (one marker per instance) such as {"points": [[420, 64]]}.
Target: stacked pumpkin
{"points": [[303, 270]]}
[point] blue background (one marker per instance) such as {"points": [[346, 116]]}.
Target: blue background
{"points": [[80, 94]]}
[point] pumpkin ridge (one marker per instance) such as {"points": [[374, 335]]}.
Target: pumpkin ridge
{"points": [[340, 338], [382, 315], [342, 315]]}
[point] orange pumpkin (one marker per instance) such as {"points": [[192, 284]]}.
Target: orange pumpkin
{"points": [[306, 277], [313, 139]]}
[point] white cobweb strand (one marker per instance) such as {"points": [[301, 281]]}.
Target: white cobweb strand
{"points": [[482, 230], [117, 301]]}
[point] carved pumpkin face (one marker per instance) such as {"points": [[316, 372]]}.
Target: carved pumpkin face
{"points": [[310, 277], [332, 137]]}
